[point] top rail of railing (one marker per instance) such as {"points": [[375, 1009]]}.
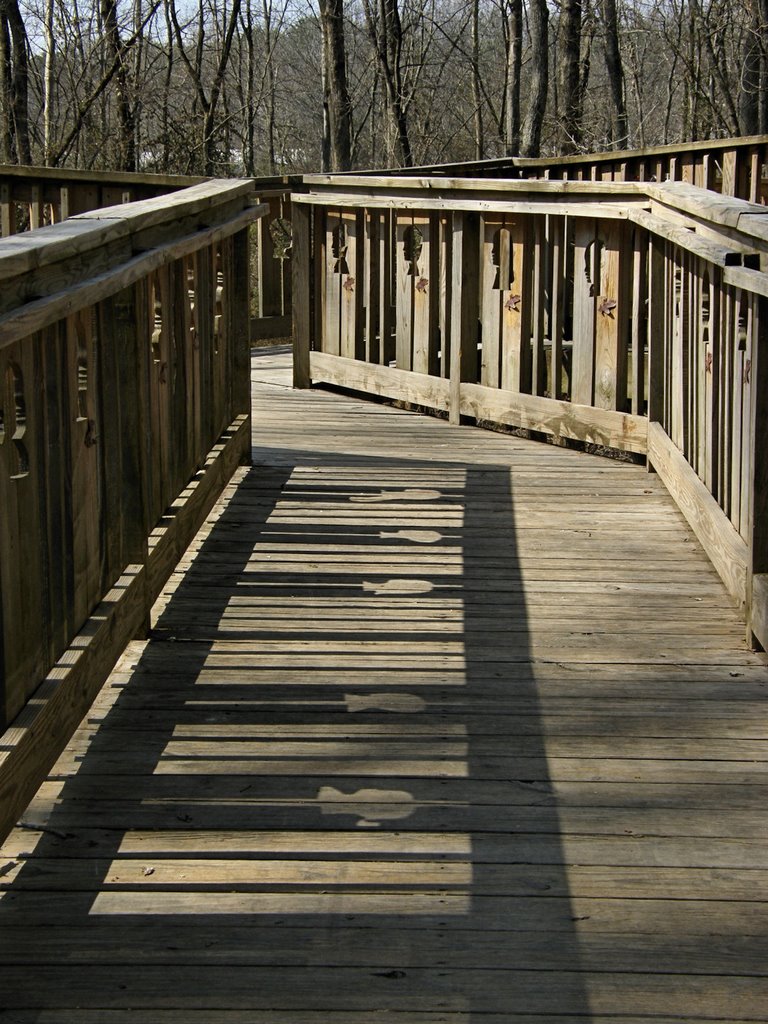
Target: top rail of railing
{"points": [[33, 197], [737, 167]]}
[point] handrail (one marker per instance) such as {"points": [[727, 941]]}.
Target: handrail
{"points": [[124, 409], [735, 166], [32, 197], [627, 315]]}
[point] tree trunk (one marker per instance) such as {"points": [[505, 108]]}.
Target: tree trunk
{"points": [[6, 119], [514, 22], [538, 23], [339, 106], [476, 94], [50, 53], [325, 148], [270, 73], [568, 77], [116, 53], [385, 31], [15, 83], [619, 128], [762, 102], [753, 98]]}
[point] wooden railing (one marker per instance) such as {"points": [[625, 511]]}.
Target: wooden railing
{"points": [[32, 197], [124, 408], [734, 167], [625, 315]]}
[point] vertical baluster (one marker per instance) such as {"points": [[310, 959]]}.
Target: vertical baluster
{"points": [[639, 319], [658, 326], [85, 433], [737, 409], [494, 286], [726, 400], [538, 364], [371, 285], [611, 317], [712, 357], [516, 313], [22, 538], [336, 274], [444, 228], [426, 299], [586, 259], [749, 345], [558, 288], [352, 291]]}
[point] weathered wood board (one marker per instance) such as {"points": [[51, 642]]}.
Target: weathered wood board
{"points": [[434, 726]]}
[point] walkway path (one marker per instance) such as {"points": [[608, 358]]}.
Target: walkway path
{"points": [[436, 725]]}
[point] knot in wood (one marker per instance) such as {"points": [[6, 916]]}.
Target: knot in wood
{"points": [[91, 437]]}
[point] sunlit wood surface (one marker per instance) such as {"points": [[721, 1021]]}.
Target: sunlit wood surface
{"points": [[435, 726]]}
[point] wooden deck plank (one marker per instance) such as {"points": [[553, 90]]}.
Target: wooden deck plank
{"points": [[434, 726]]}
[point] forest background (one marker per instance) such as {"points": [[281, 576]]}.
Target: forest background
{"points": [[281, 86]]}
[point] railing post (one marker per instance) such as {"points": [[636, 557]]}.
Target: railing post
{"points": [[656, 327], [302, 293], [7, 212], [757, 564], [239, 314]]}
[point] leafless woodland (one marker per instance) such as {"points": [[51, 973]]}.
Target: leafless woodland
{"points": [[277, 86]]}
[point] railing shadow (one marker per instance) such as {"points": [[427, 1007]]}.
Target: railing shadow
{"points": [[322, 789]]}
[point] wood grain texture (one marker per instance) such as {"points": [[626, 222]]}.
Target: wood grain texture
{"points": [[434, 726], [727, 550]]}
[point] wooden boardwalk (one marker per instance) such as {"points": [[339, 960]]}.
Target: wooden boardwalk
{"points": [[435, 725]]}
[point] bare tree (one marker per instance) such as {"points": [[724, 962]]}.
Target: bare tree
{"points": [[208, 99], [619, 124], [385, 30], [337, 92], [14, 82], [117, 55], [477, 98], [538, 23], [513, 33], [753, 92], [48, 90], [569, 77]]}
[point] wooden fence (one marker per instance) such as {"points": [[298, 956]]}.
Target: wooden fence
{"points": [[32, 197], [626, 315], [733, 167], [124, 408]]}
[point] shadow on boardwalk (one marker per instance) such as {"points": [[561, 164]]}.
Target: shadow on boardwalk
{"points": [[321, 793]]}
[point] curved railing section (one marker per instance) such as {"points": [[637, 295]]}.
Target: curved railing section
{"points": [[124, 409], [734, 167], [627, 315]]}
